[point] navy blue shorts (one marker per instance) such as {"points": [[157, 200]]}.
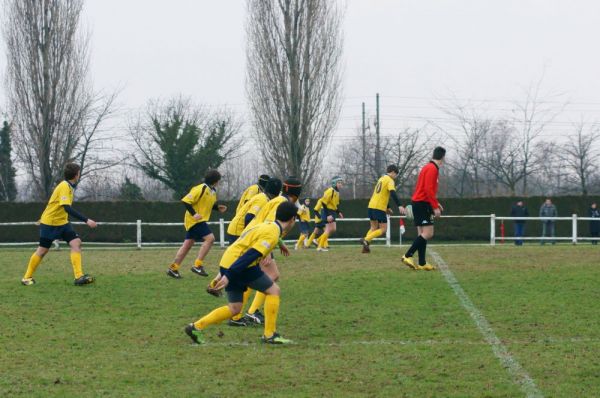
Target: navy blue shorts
{"points": [[252, 277], [320, 224], [198, 231], [231, 238], [304, 227], [50, 233], [377, 215], [325, 213]]}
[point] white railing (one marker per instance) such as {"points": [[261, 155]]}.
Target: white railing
{"points": [[139, 224]]}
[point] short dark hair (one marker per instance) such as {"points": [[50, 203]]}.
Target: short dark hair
{"points": [[393, 168], [439, 153], [212, 177], [262, 181], [292, 186], [273, 186], [71, 170], [286, 211]]}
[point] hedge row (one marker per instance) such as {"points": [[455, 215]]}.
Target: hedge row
{"points": [[447, 229]]}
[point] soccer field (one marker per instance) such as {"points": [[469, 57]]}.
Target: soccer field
{"points": [[363, 325]]}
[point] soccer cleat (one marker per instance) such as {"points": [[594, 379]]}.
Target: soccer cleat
{"points": [[256, 318], [409, 262], [27, 281], [84, 280], [315, 242], [238, 322], [365, 246], [322, 249], [275, 339], [173, 274], [426, 267], [195, 334], [199, 270]]}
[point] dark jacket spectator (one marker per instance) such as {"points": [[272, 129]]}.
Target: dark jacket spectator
{"points": [[594, 212], [519, 210], [548, 210]]}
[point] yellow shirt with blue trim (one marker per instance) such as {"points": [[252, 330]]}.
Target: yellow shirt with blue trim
{"points": [[54, 214], [331, 199], [381, 193], [253, 206], [268, 211], [304, 213], [318, 208], [202, 198], [263, 238], [248, 194]]}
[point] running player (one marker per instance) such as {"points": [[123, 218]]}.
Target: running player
{"points": [[54, 224], [251, 191], [378, 206], [304, 217], [319, 225], [425, 207], [199, 203], [240, 269], [331, 207]]}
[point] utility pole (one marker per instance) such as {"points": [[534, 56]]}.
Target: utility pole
{"points": [[363, 177], [378, 143]]}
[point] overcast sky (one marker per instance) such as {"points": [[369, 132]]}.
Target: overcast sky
{"points": [[409, 51]]}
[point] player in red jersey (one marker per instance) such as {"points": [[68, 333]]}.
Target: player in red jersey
{"points": [[425, 207]]}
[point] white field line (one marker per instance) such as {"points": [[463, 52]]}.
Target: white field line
{"points": [[518, 373], [549, 340]]}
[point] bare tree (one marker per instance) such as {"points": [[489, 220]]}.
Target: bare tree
{"points": [[581, 154], [294, 80], [50, 97]]}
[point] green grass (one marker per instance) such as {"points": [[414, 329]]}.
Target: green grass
{"points": [[362, 326]]}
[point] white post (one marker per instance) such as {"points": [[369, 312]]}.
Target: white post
{"points": [[400, 233], [492, 229], [139, 234], [222, 232], [574, 236], [388, 233]]}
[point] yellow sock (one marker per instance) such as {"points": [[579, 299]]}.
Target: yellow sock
{"points": [[198, 263], [259, 300], [373, 234], [76, 263], [301, 240], [247, 294], [217, 315], [311, 238], [174, 267], [271, 311], [34, 261], [323, 239]]}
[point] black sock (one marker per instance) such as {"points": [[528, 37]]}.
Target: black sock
{"points": [[422, 249], [415, 246]]}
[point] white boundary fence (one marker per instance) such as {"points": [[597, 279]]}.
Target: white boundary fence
{"points": [[139, 224]]}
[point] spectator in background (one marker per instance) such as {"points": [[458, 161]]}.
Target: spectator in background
{"points": [[519, 210], [594, 224], [548, 210]]}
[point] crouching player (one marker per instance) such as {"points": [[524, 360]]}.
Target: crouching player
{"points": [[54, 224], [240, 270]]}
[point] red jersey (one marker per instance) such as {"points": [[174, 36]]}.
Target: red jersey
{"points": [[427, 185]]}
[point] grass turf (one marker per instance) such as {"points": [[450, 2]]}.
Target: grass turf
{"points": [[362, 326]]}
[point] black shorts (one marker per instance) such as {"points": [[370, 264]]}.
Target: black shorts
{"points": [[423, 214], [252, 277], [304, 227], [50, 233], [377, 215], [319, 223], [198, 231], [325, 213]]}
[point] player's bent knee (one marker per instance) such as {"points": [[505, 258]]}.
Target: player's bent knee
{"points": [[235, 308], [274, 290], [209, 238]]}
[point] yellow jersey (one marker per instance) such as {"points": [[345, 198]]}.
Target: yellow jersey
{"points": [[252, 206], [318, 208], [381, 193], [331, 199], [54, 214], [262, 237], [248, 194], [304, 213], [202, 198], [268, 211]]}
